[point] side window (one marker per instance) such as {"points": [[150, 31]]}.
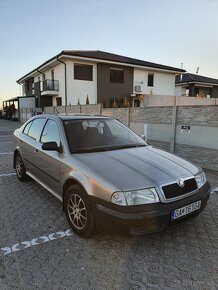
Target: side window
{"points": [[36, 128], [27, 127], [51, 133]]}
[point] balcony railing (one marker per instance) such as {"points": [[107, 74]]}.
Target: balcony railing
{"points": [[50, 85]]}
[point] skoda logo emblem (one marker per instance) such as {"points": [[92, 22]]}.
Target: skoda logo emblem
{"points": [[181, 183]]}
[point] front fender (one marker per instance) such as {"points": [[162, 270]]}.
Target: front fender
{"points": [[91, 186]]}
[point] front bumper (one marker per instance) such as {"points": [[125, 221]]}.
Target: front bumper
{"points": [[142, 219]]}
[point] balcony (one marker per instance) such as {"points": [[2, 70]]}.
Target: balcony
{"points": [[50, 88]]}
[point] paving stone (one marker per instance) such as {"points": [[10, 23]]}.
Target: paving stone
{"points": [[183, 257]]}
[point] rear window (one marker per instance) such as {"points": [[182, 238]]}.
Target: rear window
{"points": [[36, 128], [27, 127]]}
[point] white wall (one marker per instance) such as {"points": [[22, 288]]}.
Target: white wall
{"points": [[58, 75], [75, 88], [23, 91], [27, 102], [180, 91], [79, 88], [164, 83]]}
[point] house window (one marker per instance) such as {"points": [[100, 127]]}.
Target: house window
{"points": [[150, 80], [83, 72], [36, 128], [116, 75]]}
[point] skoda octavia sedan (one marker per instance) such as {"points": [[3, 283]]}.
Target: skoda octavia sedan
{"points": [[107, 177]]}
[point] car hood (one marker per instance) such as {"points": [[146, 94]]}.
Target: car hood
{"points": [[136, 168]]}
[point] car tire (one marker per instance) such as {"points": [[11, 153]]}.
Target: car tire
{"points": [[20, 168], [78, 211]]}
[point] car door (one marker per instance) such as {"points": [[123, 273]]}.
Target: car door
{"points": [[49, 162], [29, 143]]}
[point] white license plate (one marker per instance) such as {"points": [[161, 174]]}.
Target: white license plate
{"points": [[179, 212]]}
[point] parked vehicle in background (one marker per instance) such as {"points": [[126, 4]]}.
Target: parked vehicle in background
{"points": [[107, 176]]}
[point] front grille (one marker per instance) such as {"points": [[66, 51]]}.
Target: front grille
{"points": [[174, 190]]}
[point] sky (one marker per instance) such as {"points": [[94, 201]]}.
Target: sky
{"points": [[168, 32]]}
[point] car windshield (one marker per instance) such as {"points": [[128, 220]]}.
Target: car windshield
{"points": [[93, 135]]}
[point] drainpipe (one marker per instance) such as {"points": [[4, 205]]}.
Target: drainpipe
{"points": [[39, 103], [41, 72], [65, 72]]}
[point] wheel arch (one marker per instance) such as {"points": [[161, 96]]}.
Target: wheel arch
{"points": [[15, 153], [68, 183]]}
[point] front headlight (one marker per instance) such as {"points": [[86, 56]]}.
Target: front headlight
{"points": [[118, 198], [200, 179], [136, 197]]}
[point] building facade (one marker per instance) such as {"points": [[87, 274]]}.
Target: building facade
{"points": [[194, 85], [80, 77]]}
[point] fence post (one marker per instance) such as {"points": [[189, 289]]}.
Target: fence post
{"points": [[128, 117], [100, 109], [173, 131]]}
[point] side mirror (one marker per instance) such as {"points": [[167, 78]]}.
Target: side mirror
{"points": [[52, 146]]}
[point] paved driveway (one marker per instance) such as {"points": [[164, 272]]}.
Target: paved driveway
{"points": [[38, 250]]}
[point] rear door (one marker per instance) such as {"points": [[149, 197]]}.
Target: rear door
{"points": [[30, 142]]}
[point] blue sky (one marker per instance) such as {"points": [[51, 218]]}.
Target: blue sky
{"points": [[169, 32]]}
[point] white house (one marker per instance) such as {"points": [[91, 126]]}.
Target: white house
{"points": [[73, 77]]}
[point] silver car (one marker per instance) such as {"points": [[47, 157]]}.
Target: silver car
{"points": [[107, 177]]}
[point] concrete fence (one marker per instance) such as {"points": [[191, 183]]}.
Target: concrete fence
{"points": [[189, 131], [163, 101]]}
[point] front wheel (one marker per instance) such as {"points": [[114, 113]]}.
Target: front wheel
{"points": [[78, 211], [20, 168]]}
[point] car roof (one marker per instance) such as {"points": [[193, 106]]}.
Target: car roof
{"points": [[65, 117]]}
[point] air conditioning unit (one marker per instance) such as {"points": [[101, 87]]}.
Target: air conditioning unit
{"points": [[138, 88]]}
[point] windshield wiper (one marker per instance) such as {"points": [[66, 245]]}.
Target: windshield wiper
{"points": [[107, 148], [129, 146], [88, 150]]}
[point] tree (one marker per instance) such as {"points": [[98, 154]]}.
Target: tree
{"points": [[10, 111]]}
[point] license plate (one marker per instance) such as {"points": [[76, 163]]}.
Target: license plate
{"points": [[179, 212]]}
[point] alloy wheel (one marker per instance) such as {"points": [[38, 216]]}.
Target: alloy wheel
{"points": [[77, 211], [19, 166]]}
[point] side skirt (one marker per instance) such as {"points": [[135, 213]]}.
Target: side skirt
{"points": [[45, 186]]}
